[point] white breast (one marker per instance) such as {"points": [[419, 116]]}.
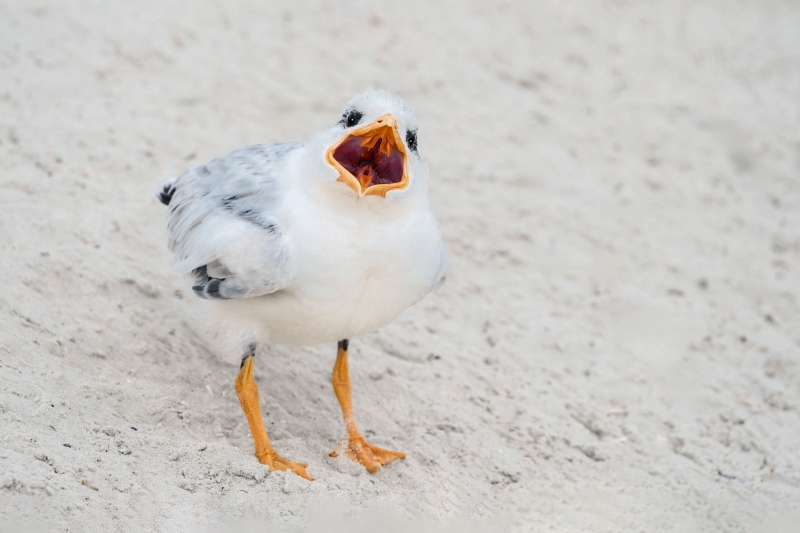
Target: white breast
{"points": [[357, 264]]}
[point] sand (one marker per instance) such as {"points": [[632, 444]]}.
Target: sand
{"points": [[617, 348]]}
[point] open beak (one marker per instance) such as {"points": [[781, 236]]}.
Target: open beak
{"points": [[371, 159]]}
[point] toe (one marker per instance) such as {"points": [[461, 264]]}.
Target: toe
{"points": [[276, 462], [370, 462], [374, 457], [370, 457], [296, 468]]}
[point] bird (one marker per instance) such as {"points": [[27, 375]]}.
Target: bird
{"points": [[307, 243]]}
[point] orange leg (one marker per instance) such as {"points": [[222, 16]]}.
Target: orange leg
{"points": [[358, 449], [247, 390]]}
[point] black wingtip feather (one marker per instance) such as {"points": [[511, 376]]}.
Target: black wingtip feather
{"points": [[165, 196]]}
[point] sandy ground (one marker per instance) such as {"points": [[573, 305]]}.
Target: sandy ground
{"points": [[618, 348]]}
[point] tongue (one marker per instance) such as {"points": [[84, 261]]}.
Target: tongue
{"points": [[365, 174]]}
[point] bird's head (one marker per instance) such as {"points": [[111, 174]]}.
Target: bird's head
{"points": [[373, 148]]}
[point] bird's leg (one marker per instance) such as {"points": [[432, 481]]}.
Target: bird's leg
{"points": [[358, 449], [247, 390]]}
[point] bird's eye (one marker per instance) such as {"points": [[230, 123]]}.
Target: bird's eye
{"points": [[352, 118], [411, 140]]}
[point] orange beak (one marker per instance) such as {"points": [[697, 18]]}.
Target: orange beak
{"points": [[371, 160]]}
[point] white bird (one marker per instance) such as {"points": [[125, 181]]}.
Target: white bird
{"points": [[308, 243]]}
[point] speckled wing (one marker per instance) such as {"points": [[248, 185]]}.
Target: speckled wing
{"points": [[222, 224]]}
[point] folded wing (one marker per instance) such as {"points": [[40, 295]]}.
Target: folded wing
{"points": [[223, 224]]}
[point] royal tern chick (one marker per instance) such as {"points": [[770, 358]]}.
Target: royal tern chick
{"points": [[309, 243]]}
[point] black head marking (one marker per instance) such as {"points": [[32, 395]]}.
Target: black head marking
{"points": [[351, 118], [344, 344], [411, 140]]}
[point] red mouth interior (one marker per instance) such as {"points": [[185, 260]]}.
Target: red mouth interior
{"points": [[370, 166]]}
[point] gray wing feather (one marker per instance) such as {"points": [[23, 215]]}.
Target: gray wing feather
{"points": [[222, 227]]}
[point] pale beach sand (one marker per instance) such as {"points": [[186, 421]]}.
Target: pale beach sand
{"points": [[617, 348]]}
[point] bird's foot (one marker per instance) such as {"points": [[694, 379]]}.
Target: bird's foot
{"points": [[372, 457], [276, 462]]}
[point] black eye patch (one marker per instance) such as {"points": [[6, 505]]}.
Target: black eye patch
{"points": [[351, 118], [411, 140]]}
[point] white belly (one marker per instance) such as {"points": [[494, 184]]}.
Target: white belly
{"points": [[355, 271]]}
